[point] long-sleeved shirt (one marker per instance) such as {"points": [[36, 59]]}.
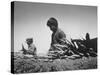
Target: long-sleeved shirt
{"points": [[58, 37]]}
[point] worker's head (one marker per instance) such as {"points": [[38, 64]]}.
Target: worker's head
{"points": [[52, 23], [29, 41]]}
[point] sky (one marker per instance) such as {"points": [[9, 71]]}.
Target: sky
{"points": [[30, 21]]}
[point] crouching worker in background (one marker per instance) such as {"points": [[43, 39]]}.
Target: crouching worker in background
{"points": [[31, 47]]}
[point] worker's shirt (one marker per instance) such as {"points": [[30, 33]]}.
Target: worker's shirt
{"points": [[32, 47], [58, 37]]}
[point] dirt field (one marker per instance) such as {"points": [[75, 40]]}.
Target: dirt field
{"points": [[31, 65]]}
